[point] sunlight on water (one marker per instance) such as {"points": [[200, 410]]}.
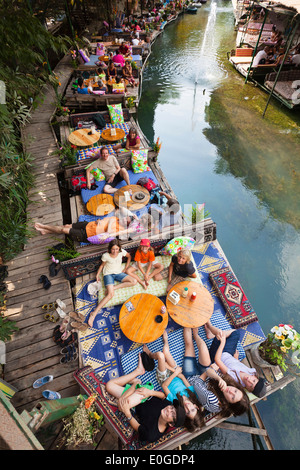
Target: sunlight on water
{"points": [[217, 149]]}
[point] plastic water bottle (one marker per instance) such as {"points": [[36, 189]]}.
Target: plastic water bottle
{"points": [[185, 292]]}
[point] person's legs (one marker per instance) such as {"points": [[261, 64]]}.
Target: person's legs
{"points": [[124, 174], [127, 281], [109, 189], [116, 386], [109, 295], [56, 229], [203, 352], [131, 272], [190, 364], [164, 357], [158, 267]]}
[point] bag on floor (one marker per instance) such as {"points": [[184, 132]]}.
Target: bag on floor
{"points": [[147, 183], [79, 182]]}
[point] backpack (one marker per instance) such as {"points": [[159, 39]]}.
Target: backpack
{"points": [[78, 182], [147, 183]]}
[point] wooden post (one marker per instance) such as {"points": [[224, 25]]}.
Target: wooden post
{"points": [[257, 43]]}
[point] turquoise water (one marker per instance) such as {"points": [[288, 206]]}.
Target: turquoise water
{"points": [[217, 149]]}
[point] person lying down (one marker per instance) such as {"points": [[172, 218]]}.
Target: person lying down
{"points": [[120, 225]]}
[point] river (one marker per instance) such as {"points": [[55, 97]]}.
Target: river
{"points": [[218, 149]]}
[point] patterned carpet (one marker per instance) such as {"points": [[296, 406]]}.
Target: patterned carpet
{"points": [[104, 347]]}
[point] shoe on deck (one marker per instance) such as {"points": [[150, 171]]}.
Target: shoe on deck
{"points": [[51, 395], [42, 381]]}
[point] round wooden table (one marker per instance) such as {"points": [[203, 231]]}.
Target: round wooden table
{"points": [[120, 200], [100, 204], [81, 137], [139, 325], [106, 135], [187, 312]]}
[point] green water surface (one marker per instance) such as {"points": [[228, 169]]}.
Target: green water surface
{"points": [[218, 149]]}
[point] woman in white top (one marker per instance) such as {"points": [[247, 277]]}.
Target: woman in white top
{"points": [[111, 267]]}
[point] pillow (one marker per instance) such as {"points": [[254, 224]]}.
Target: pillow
{"points": [[97, 173], [100, 238], [139, 161], [116, 113], [177, 244], [83, 55]]}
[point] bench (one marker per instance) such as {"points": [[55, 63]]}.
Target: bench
{"points": [[285, 86]]}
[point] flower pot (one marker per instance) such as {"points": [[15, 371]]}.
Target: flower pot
{"points": [[256, 357]]}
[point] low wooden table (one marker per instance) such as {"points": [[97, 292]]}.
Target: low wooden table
{"points": [[139, 325], [81, 137], [106, 135], [119, 197], [187, 312], [100, 204]]}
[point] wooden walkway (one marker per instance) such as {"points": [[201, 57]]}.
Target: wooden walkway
{"points": [[32, 352]]}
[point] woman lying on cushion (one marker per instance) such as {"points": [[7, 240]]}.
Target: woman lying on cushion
{"points": [[155, 416], [216, 394]]}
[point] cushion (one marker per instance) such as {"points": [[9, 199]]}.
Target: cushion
{"points": [[100, 239], [233, 297], [116, 113], [96, 172], [85, 153], [83, 55], [139, 160], [177, 244]]}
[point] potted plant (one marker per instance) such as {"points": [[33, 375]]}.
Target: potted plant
{"points": [[84, 424], [280, 348], [67, 154]]}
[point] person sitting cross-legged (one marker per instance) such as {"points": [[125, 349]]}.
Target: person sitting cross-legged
{"points": [[111, 169]]}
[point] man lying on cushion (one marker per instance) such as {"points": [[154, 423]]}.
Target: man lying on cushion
{"points": [[117, 225], [112, 171]]}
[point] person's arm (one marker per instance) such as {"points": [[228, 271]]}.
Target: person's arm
{"points": [[212, 374], [167, 382], [170, 273], [99, 271], [128, 256], [123, 405], [218, 355], [88, 174]]}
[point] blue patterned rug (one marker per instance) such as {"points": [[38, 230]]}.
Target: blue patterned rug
{"points": [[105, 347]]}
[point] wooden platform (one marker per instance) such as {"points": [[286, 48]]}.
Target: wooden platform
{"points": [[32, 353]]}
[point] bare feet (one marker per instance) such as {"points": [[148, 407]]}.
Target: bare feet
{"points": [[92, 318], [41, 228], [140, 368]]}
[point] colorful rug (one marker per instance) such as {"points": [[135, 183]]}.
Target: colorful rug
{"points": [[233, 297], [103, 346]]}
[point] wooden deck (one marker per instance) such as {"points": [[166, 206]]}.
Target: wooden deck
{"points": [[32, 352]]}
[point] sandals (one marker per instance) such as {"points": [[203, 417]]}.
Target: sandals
{"points": [[70, 354], [45, 281], [51, 317], [58, 305]]}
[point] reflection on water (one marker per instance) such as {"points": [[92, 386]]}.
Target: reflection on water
{"points": [[217, 149]]}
